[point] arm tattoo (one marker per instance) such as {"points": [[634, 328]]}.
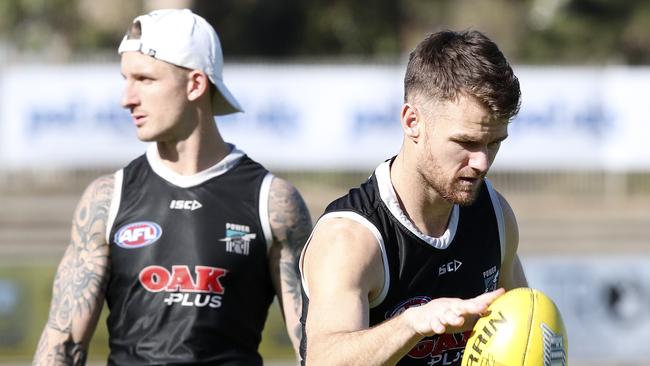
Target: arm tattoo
{"points": [[70, 353], [289, 217], [291, 277], [81, 276], [291, 224], [65, 353], [81, 279]]}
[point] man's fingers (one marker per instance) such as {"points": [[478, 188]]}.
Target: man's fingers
{"points": [[489, 297], [437, 327], [451, 313], [483, 301], [477, 305], [453, 319]]}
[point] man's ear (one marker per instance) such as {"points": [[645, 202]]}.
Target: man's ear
{"points": [[411, 122], [198, 84]]}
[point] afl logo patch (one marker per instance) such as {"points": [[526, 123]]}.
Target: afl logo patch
{"points": [[138, 234]]}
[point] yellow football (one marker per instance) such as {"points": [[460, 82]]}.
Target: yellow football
{"points": [[523, 328]]}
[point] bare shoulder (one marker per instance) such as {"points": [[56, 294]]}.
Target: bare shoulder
{"points": [[342, 235], [91, 217], [91, 214], [346, 248], [88, 244], [288, 215], [99, 192]]}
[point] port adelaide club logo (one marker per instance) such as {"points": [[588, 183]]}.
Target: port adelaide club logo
{"points": [[138, 234], [238, 238]]}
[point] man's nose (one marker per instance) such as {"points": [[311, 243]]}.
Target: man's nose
{"points": [[479, 160], [129, 96]]}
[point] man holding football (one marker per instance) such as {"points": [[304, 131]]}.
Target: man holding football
{"points": [[398, 270]]}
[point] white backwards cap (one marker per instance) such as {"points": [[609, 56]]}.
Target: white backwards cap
{"points": [[184, 39]]}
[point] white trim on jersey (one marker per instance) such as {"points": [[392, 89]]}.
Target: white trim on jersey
{"points": [[115, 202], [388, 195], [380, 240], [301, 260], [265, 190], [187, 181], [498, 212]]}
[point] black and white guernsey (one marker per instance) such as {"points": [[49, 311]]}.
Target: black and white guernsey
{"points": [[464, 262], [189, 276]]}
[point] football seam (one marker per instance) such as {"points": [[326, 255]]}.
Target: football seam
{"points": [[530, 325]]}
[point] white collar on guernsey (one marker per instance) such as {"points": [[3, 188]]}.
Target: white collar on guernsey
{"points": [[388, 195], [186, 181]]}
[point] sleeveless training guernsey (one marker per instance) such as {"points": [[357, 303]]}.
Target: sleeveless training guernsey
{"points": [[464, 262], [189, 276]]}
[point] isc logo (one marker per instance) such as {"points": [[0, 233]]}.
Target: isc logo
{"points": [[185, 205], [138, 234], [449, 267]]}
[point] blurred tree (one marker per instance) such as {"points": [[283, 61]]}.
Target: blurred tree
{"points": [[588, 32], [361, 28], [529, 31], [498, 19], [104, 22], [32, 25], [57, 30], [635, 37], [289, 28], [255, 28]]}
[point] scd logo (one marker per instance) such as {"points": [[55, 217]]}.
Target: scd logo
{"points": [[138, 234]]}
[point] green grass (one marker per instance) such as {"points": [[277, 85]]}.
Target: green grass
{"points": [[25, 292]]}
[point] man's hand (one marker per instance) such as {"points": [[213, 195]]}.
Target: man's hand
{"points": [[449, 315]]}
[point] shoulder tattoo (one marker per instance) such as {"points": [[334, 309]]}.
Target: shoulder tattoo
{"points": [[289, 216]]}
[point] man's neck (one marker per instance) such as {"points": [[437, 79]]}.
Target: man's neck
{"points": [[428, 211], [203, 148]]}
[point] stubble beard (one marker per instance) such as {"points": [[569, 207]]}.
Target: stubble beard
{"points": [[452, 190]]}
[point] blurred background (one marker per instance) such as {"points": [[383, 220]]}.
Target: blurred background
{"points": [[320, 81]]}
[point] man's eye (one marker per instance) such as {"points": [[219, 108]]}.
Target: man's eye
{"points": [[466, 143]]}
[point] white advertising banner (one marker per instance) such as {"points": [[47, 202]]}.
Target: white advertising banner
{"points": [[579, 118], [310, 117], [64, 116], [335, 117]]}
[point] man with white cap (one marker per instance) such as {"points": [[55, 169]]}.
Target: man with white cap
{"points": [[189, 243]]}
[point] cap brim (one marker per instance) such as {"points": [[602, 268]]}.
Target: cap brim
{"points": [[224, 102]]}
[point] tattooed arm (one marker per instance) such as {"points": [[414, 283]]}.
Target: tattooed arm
{"points": [[80, 282], [291, 225]]}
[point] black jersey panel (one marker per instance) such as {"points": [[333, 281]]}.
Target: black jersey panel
{"points": [[190, 279]]}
